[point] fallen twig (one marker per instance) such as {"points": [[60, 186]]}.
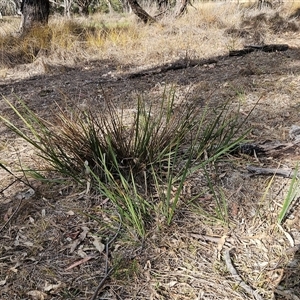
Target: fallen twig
{"points": [[12, 215], [237, 277], [265, 48], [108, 272], [9, 185], [80, 262], [287, 173], [16, 178], [177, 65]]}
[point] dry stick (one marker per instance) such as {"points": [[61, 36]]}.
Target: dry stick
{"points": [[287, 173], [107, 272], [9, 185], [12, 215], [238, 278], [16, 179]]}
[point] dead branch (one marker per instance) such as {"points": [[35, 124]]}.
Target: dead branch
{"points": [[237, 277], [265, 48], [287, 173], [269, 148], [12, 215], [108, 272], [182, 8], [177, 65]]}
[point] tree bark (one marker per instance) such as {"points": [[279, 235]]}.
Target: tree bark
{"points": [[163, 5], [67, 8], [182, 8], [143, 15], [34, 12]]}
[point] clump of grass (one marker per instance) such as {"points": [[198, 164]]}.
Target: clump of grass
{"points": [[19, 49], [140, 165], [8, 25], [24, 49], [67, 35], [107, 35]]}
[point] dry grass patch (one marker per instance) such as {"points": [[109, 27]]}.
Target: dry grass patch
{"points": [[198, 34], [9, 25], [195, 35]]}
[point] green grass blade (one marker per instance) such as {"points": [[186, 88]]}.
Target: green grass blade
{"points": [[292, 192]]}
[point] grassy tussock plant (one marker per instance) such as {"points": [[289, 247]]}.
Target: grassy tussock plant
{"points": [[141, 165], [62, 35], [133, 208], [112, 35], [221, 209], [24, 49]]}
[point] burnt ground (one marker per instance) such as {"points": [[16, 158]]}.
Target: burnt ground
{"points": [[177, 262]]}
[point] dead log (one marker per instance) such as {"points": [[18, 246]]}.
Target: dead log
{"points": [[268, 148], [286, 173], [265, 48], [177, 65]]}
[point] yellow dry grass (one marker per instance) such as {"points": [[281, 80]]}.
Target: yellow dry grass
{"points": [[198, 34]]}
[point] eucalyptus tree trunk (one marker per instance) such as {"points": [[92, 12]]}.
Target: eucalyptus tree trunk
{"points": [[163, 5], [182, 7], [110, 7], [34, 12], [67, 8], [142, 14]]}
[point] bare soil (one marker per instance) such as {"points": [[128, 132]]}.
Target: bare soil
{"points": [[38, 233]]}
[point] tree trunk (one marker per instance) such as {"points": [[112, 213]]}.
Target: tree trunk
{"points": [[110, 8], [34, 12], [163, 5], [182, 8], [143, 15], [67, 8]]}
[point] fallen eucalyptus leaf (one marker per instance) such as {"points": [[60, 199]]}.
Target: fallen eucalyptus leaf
{"points": [[98, 244], [53, 287], [3, 282], [37, 295], [81, 237]]}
